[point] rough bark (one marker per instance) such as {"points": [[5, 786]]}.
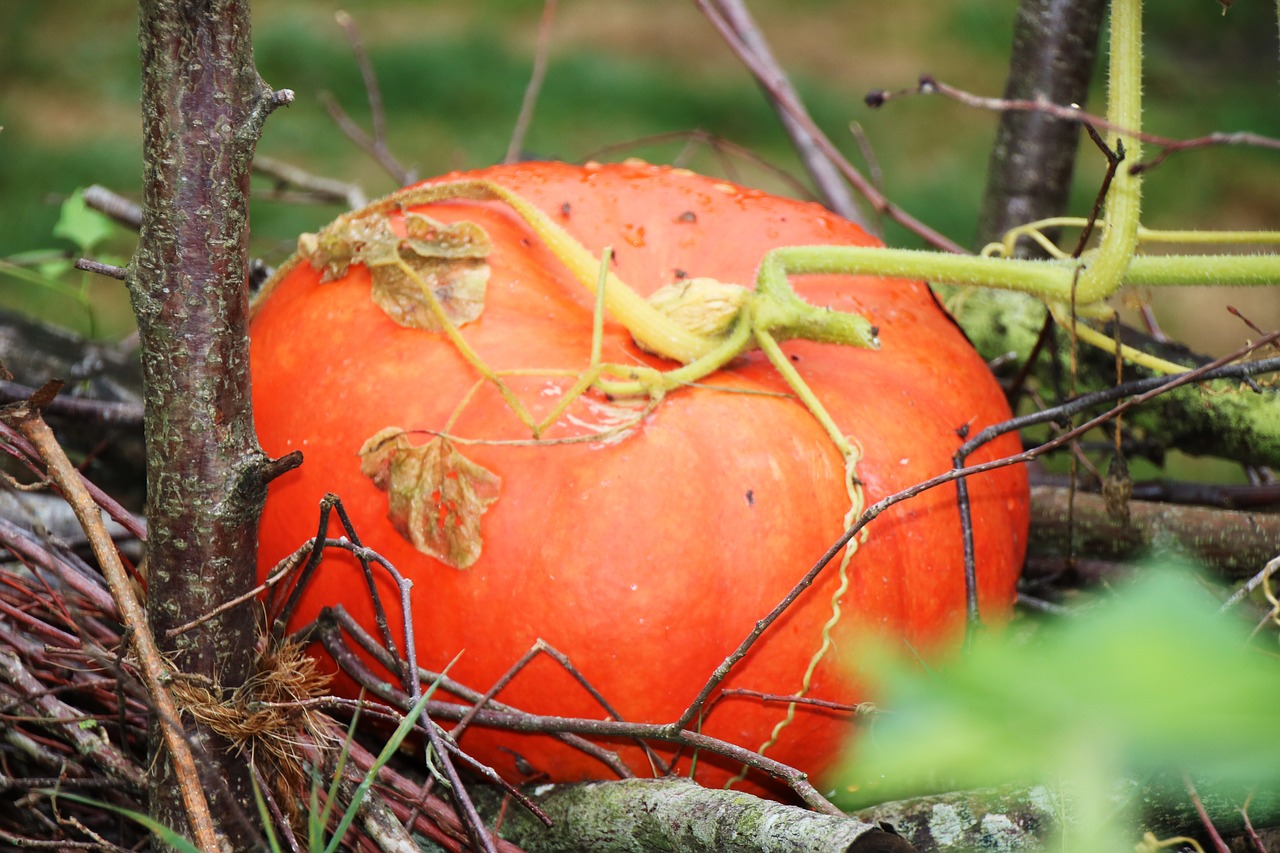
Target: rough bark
{"points": [[203, 105], [646, 815], [1235, 545], [1055, 43]]}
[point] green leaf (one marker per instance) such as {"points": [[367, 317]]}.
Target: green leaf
{"points": [[389, 749], [436, 495], [1152, 680], [164, 833], [81, 224]]}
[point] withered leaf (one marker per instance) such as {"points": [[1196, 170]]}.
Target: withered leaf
{"points": [[447, 258], [368, 239], [436, 495], [432, 239], [458, 285]]}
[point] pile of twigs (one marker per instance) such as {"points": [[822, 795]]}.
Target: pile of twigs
{"points": [[75, 716]]}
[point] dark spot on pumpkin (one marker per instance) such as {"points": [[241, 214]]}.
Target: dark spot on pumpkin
{"points": [[795, 357], [681, 274], [875, 331], [751, 497], [565, 210], [524, 241], [687, 216]]}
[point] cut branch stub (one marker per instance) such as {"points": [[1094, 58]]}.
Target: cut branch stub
{"points": [[432, 262], [436, 495]]}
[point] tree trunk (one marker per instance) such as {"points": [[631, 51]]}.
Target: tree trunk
{"points": [[1055, 43], [203, 106]]}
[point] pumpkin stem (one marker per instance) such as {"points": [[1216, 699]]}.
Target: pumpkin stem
{"points": [[778, 310]]}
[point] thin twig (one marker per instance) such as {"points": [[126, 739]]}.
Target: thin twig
{"points": [[1139, 391], [516, 720], [318, 188], [367, 75], [1250, 832], [873, 196], [1215, 837], [1114, 159], [338, 619], [114, 205], [860, 709], [86, 409], [277, 816], [1159, 385], [929, 85], [54, 714], [973, 617], [542, 647], [1252, 584], [831, 186], [281, 571], [108, 270], [541, 54], [718, 145], [375, 145]]}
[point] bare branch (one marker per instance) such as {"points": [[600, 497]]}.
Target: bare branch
{"points": [[826, 177], [675, 814], [116, 206], [376, 144], [930, 86], [876, 198], [322, 189], [540, 57], [108, 270]]}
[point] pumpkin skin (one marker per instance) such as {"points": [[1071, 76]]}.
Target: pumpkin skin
{"points": [[646, 559]]}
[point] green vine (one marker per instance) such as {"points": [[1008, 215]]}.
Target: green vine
{"points": [[1073, 288]]}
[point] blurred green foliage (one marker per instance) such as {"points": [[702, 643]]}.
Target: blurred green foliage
{"points": [[1153, 682], [453, 75]]}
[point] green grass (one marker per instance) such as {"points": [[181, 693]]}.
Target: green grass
{"points": [[453, 75]]}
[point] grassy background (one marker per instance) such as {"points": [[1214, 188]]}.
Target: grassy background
{"points": [[453, 75]]}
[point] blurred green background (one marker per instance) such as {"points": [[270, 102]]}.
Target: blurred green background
{"points": [[453, 74]]}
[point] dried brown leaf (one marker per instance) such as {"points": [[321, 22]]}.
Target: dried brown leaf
{"points": [[444, 259], [368, 239], [432, 239], [436, 495], [457, 285]]}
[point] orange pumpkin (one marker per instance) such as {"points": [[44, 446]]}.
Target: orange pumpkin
{"points": [[647, 548]]}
